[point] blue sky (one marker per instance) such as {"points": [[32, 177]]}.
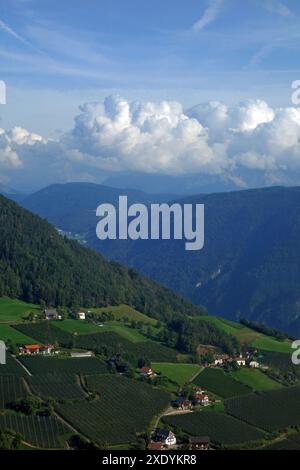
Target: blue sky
{"points": [[188, 86], [71, 51]]}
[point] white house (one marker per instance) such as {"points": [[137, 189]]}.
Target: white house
{"points": [[166, 437], [81, 315], [2, 353], [240, 361], [254, 364]]}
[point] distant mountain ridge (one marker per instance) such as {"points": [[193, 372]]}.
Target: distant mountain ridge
{"points": [[72, 206], [250, 264]]}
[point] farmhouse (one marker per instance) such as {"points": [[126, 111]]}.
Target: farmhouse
{"points": [[32, 349], [220, 359], [166, 437], [2, 353], [80, 315], [147, 372], [202, 399], [182, 403], [240, 361], [51, 314], [254, 364], [199, 443], [155, 446]]}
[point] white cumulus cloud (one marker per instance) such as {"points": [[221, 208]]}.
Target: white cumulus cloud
{"points": [[161, 138]]}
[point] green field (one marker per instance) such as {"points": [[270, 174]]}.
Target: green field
{"points": [[221, 384], [255, 379], [272, 410], [243, 334], [7, 332], [179, 373], [268, 343], [15, 310], [247, 336], [120, 312], [124, 407], [131, 334], [221, 428]]}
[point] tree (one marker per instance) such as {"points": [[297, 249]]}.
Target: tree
{"points": [[10, 440]]}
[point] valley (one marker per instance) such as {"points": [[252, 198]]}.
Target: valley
{"points": [[77, 400]]}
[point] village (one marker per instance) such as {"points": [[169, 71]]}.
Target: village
{"points": [[188, 399]]}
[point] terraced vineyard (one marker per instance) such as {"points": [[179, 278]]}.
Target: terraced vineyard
{"points": [[45, 432], [216, 381], [45, 333], [41, 365], [124, 408], [272, 410], [62, 386], [11, 388], [221, 428], [107, 342], [285, 444], [11, 367], [112, 343]]}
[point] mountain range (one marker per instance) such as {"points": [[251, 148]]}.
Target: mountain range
{"points": [[37, 265], [249, 266]]}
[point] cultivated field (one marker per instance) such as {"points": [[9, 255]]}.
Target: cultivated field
{"points": [[41, 365], [268, 343], [255, 379], [285, 444], [45, 432], [11, 367], [7, 333], [46, 333], [124, 407], [247, 336], [221, 384], [221, 428], [112, 343], [272, 410], [78, 327], [179, 373], [125, 311], [62, 386], [11, 388], [15, 310]]}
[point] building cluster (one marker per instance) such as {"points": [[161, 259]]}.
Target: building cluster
{"points": [[34, 349], [199, 397], [53, 314], [164, 439], [248, 359]]}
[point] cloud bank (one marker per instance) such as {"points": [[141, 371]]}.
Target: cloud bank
{"points": [[160, 138]]}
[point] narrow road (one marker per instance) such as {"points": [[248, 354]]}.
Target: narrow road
{"points": [[22, 365], [196, 374]]}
